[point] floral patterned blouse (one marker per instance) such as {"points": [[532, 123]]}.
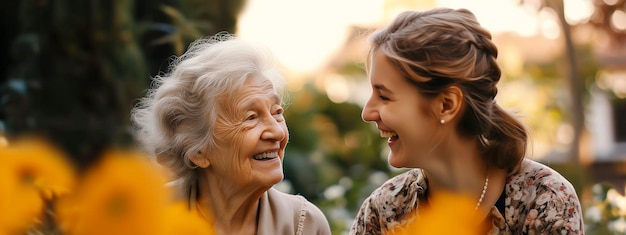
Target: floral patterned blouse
{"points": [[537, 200]]}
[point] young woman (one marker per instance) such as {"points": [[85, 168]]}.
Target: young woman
{"points": [[434, 76]]}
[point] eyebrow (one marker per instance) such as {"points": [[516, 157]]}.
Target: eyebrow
{"points": [[380, 87], [276, 97]]}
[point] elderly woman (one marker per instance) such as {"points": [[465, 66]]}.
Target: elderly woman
{"points": [[216, 120]]}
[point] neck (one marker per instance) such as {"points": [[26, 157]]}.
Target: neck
{"points": [[457, 167], [236, 207]]}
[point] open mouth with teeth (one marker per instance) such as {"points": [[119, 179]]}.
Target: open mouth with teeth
{"points": [[265, 156], [389, 134]]}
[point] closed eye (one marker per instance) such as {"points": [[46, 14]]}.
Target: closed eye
{"points": [[379, 89]]}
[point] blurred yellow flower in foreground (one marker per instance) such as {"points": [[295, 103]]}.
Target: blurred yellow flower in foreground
{"points": [[123, 194], [448, 213], [31, 170], [182, 221]]}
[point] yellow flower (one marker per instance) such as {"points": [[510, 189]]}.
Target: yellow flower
{"points": [[182, 221], [123, 194], [447, 213], [30, 169], [21, 205]]}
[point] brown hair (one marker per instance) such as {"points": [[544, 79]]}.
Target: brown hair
{"points": [[442, 47]]}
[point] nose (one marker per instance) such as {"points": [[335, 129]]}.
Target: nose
{"points": [[369, 113], [275, 130]]}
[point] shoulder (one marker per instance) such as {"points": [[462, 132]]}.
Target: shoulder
{"points": [[400, 188], [544, 199], [387, 205], [297, 203], [537, 176], [308, 214]]}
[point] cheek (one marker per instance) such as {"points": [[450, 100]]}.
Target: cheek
{"points": [[417, 111], [411, 121], [286, 131], [221, 155], [401, 114]]}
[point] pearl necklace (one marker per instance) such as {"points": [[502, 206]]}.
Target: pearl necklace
{"points": [[482, 195]]}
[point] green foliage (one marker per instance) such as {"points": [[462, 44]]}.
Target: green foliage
{"points": [[75, 68]]}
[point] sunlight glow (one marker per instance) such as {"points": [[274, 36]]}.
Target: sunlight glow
{"points": [[303, 34], [615, 81], [565, 134], [508, 15], [618, 20], [549, 25], [337, 89], [550, 29], [578, 11], [511, 60]]}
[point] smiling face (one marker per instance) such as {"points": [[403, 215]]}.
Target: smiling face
{"points": [[401, 114], [251, 134]]}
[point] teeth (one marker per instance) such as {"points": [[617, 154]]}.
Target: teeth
{"points": [[268, 155], [387, 134]]}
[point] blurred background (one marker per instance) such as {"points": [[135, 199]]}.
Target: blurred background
{"points": [[71, 70]]}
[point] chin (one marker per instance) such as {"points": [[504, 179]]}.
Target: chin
{"points": [[395, 161], [278, 180], [273, 178]]}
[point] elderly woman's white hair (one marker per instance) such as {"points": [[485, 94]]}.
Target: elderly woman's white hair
{"points": [[175, 119]]}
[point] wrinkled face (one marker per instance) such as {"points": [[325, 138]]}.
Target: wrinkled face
{"points": [[401, 114], [251, 134]]}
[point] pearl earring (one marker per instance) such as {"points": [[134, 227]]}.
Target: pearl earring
{"points": [[442, 121]]}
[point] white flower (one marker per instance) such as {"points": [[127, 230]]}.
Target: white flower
{"points": [[618, 225], [593, 214], [617, 200]]}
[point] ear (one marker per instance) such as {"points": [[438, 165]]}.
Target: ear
{"points": [[450, 105], [200, 160]]}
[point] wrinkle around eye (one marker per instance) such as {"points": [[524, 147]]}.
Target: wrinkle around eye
{"points": [[251, 117], [279, 118]]}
